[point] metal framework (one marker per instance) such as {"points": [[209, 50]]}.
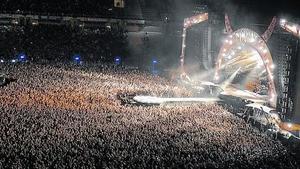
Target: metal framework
{"points": [[228, 26], [290, 27], [188, 22], [268, 33], [256, 42]]}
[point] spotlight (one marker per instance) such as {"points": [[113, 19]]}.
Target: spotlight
{"points": [[118, 60], [289, 125], [272, 66], [2, 61], [282, 21], [239, 48], [272, 95], [77, 58], [267, 61], [13, 61], [252, 40], [217, 77], [34, 23], [15, 22], [154, 67], [22, 57]]}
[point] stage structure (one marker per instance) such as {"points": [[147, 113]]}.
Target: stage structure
{"points": [[290, 27], [189, 22], [294, 29], [245, 38]]}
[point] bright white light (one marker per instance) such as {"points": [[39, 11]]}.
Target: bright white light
{"points": [[226, 41], [224, 50], [252, 40], [230, 42], [272, 95], [34, 23], [13, 61], [265, 51], [272, 66], [239, 47], [289, 125], [217, 77], [224, 54], [282, 21], [2, 61], [233, 53]]}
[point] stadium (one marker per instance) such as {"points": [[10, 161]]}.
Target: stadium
{"points": [[149, 84]]}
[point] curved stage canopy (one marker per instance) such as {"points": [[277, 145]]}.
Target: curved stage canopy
{"points": [[240, 40]]}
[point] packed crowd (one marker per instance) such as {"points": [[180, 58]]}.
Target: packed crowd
{"points": [[60, 43], [92, 7], [68, 116]]}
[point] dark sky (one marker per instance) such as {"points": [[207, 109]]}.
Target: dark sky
{"points": [[260, 7], [257, 11]]}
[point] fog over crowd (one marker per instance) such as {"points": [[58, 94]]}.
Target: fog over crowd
{"points": [[69, 116]]}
